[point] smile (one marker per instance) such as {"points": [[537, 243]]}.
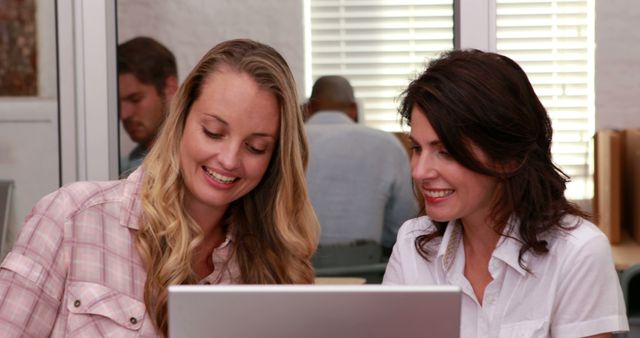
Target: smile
{"points": [[218, 177], [438, 193]]}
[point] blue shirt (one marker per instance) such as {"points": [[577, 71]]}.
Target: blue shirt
{"points": [[359, 180]]}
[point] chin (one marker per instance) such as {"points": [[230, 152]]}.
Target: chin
{"points": [[438, 218]]}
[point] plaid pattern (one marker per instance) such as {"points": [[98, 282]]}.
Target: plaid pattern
{"points": [[75, 271]]}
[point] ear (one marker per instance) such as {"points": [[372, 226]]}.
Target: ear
{"points": [[312, 107], [352, 111], [306, 111], [170, 86]]}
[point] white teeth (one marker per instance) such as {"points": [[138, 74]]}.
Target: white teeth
{"points": [[218, 177], [438, 193]]}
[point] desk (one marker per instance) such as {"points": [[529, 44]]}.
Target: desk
{"points": [[626, 253], [340, 280]]}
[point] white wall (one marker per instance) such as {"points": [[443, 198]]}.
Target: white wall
{"points": [[617, 64], [28, 154], [29, 131], [190, 28]]}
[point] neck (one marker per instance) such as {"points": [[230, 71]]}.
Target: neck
{"points": [[214, 233], [207, 217], [479, 239], [147, 145]]}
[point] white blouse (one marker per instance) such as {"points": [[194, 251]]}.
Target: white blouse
{"points": [[572, 291]]}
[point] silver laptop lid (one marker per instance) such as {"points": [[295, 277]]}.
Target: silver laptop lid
{"points": [[314, 311]]}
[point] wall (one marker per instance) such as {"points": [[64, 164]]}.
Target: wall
{"points": [[191, 27], [617, 64], [29, 131], [28, 154]]}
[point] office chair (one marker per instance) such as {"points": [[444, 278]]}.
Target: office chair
{"points": [[630, 283]]}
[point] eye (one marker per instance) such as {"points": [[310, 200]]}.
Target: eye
{"points": [[136, 98], [256, 150], [444, 153], [211, 134], [415, 148]]}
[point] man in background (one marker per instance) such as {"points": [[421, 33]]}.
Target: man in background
{"points": [[359, 178], [147, 80]]}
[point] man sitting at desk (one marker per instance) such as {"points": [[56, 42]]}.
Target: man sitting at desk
{"points": [[147, 81], [359, 178]]}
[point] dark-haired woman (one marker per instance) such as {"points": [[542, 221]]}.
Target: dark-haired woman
{"points": [[497, 223]]}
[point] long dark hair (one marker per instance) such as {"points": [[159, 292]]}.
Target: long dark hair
{"points": [[485, 99]]}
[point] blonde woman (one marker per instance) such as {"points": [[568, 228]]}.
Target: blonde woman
{"points": [[219, 199]]}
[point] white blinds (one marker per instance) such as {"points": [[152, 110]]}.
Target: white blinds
{"points": [[379, 46], [553, 41]]}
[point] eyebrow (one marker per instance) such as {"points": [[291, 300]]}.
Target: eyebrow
{"points": [[130, 96], [221, 120], [433, 143]]}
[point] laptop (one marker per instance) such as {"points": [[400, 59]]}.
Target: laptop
{"points": [[313, 311]]}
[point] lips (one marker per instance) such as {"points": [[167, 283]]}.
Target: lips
{"points": [[436, 195], [219, 177]]}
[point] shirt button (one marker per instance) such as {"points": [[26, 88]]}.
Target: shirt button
{"points": [[133, 320], [77, 303]]}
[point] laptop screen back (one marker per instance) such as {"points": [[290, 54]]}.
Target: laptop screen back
{"points": [[314, 311]]}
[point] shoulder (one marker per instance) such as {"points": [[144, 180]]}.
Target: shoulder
{"points": [[89, 193], [384, 137], [584, 243], [415, 227], [77, 196], [580, 233]]}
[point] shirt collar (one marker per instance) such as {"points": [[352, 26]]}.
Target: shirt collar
{"points": [[131, 205], [448, 247], [329, 117], [507, 249]]}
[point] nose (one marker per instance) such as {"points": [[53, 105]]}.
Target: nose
{"points": [[423, 167], [126, 110], [229, 156]]}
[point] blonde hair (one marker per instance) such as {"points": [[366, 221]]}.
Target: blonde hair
{"points": [[274, 227]]}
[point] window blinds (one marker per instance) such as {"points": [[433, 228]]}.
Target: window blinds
{"points": [[379, 46], [552, 40]]}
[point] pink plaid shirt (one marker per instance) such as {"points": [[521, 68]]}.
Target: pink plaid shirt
{"points": [[75, 271]]}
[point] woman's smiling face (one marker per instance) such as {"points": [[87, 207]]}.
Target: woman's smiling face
{"points": [[229, 138], [450, 190]]}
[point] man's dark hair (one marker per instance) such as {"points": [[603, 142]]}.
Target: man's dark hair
{"points": [[148, 60], [332, 92]]}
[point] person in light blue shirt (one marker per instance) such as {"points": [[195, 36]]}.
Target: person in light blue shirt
{"points": [[359, 178]]}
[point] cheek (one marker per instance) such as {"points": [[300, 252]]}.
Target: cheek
{"points": [[188, 152], [415, 173], [258, 167]]}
